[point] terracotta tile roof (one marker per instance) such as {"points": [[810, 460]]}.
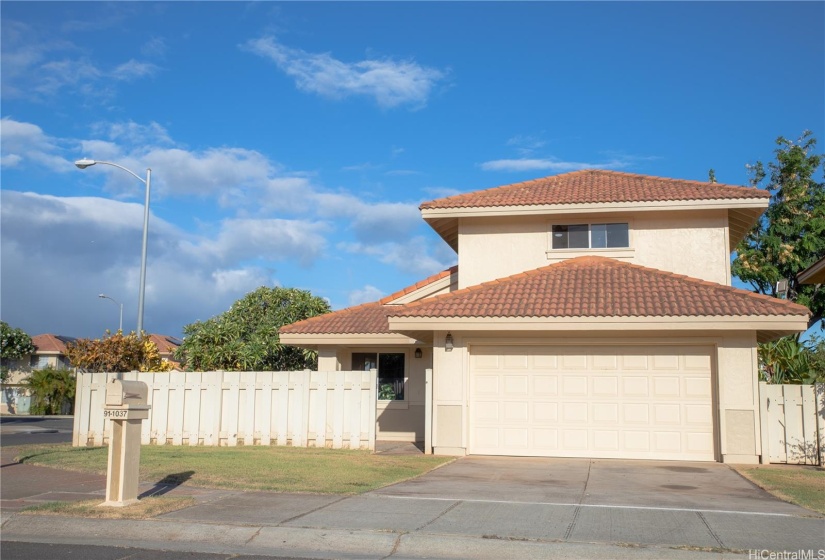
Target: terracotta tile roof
{"points": [[369, 318], [595, 186], [165, 344], [51, 343], [598, 287]]}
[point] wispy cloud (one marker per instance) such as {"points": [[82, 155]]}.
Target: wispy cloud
{"points": [[390, 82], [366, 294], [40, 66], [553, 164], [133, 70]]}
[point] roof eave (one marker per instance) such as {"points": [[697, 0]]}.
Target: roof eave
{"points": [[742, 213], [779, 323], [312, 341], [814, 274]]}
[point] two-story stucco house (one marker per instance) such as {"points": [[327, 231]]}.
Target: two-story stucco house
{"points": [[591, 314]]}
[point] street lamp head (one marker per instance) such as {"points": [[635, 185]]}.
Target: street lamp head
{"points": [[84, 163], [102, 295]]}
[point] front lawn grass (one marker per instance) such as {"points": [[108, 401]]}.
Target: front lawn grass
{"points": [[801, 485], [279, 469]]}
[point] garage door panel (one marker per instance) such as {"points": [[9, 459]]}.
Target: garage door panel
{"points": [[667, 414], [516, 385], [573, 361], [574, 412], [610, 401], [606, 386], [663, 362], [606, 362], [514, 438], [516, 411], [485, 411], [636, 386], [606, 440], [605, 413], [698, 414], [545, 439], [636, 413], [545, 385], [574, 439], [668, 442], [574, 385], [697, 387], [486, 384], [636, 441]]}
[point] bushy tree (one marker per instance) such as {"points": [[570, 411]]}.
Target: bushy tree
{"points": [[791, 235], [116, 353], [245, 337], [51, 389], [14, 344]]}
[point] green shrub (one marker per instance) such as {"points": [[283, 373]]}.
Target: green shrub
{"points": [[51, 389]]}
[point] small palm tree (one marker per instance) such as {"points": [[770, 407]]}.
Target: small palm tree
{"points": [[50, 388]]}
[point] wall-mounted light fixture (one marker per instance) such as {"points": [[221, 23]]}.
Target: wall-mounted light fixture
{"points": [[418, 353], [448, 343]]}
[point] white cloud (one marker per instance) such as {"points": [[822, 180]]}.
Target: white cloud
{"points": [[390, 82], [133, 69], [412, 256], [60, 252], [156, 46], [384, 221], [39, 65], [548, 164], [21, 142], [365, 295]]}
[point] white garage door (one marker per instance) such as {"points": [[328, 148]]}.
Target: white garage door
{"points": [[628, 402]]}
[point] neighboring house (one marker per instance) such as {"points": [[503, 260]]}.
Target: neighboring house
{"points": [[49, 352], [590, 315], [814, 274], [167, 345]]}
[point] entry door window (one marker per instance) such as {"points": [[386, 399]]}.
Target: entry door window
{"points": [[390, 368]]}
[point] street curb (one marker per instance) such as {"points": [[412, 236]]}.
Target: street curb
{"points": [[295, 542]]}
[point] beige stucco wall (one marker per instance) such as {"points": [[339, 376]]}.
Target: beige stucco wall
{"points": [[736, 403], [738, 398], [691, 243], [396, 420]]}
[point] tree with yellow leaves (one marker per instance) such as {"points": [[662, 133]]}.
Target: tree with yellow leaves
{"points": [[116, 353]]}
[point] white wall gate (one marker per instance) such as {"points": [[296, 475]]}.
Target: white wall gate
{"points": [[793, 423]]}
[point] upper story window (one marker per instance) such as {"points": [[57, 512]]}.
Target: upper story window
{"points": [[590, 236]]}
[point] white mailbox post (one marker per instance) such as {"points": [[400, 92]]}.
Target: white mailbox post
{"points": [[126, 406]]}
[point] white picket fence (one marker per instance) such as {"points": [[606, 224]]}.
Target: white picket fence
{"points": [[793, 423], [334, 409]]}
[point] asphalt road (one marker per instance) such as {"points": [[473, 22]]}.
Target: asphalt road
{"points": [[41, 551], [23, 430]]}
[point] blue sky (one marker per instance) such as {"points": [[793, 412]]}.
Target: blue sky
{"points": [[291, 143]]}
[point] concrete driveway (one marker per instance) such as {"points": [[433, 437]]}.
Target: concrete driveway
{"points": [[595, 482]]}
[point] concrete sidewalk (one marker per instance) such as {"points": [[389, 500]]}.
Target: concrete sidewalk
{"points": [[394, 522]]}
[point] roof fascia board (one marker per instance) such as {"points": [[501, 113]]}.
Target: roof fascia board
{"points": [[769, 322], [671, 205], [423, 291], [815, 274], [301, 339]]}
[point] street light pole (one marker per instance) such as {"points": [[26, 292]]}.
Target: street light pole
{"points": [[83, 164], [104, 296]]}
